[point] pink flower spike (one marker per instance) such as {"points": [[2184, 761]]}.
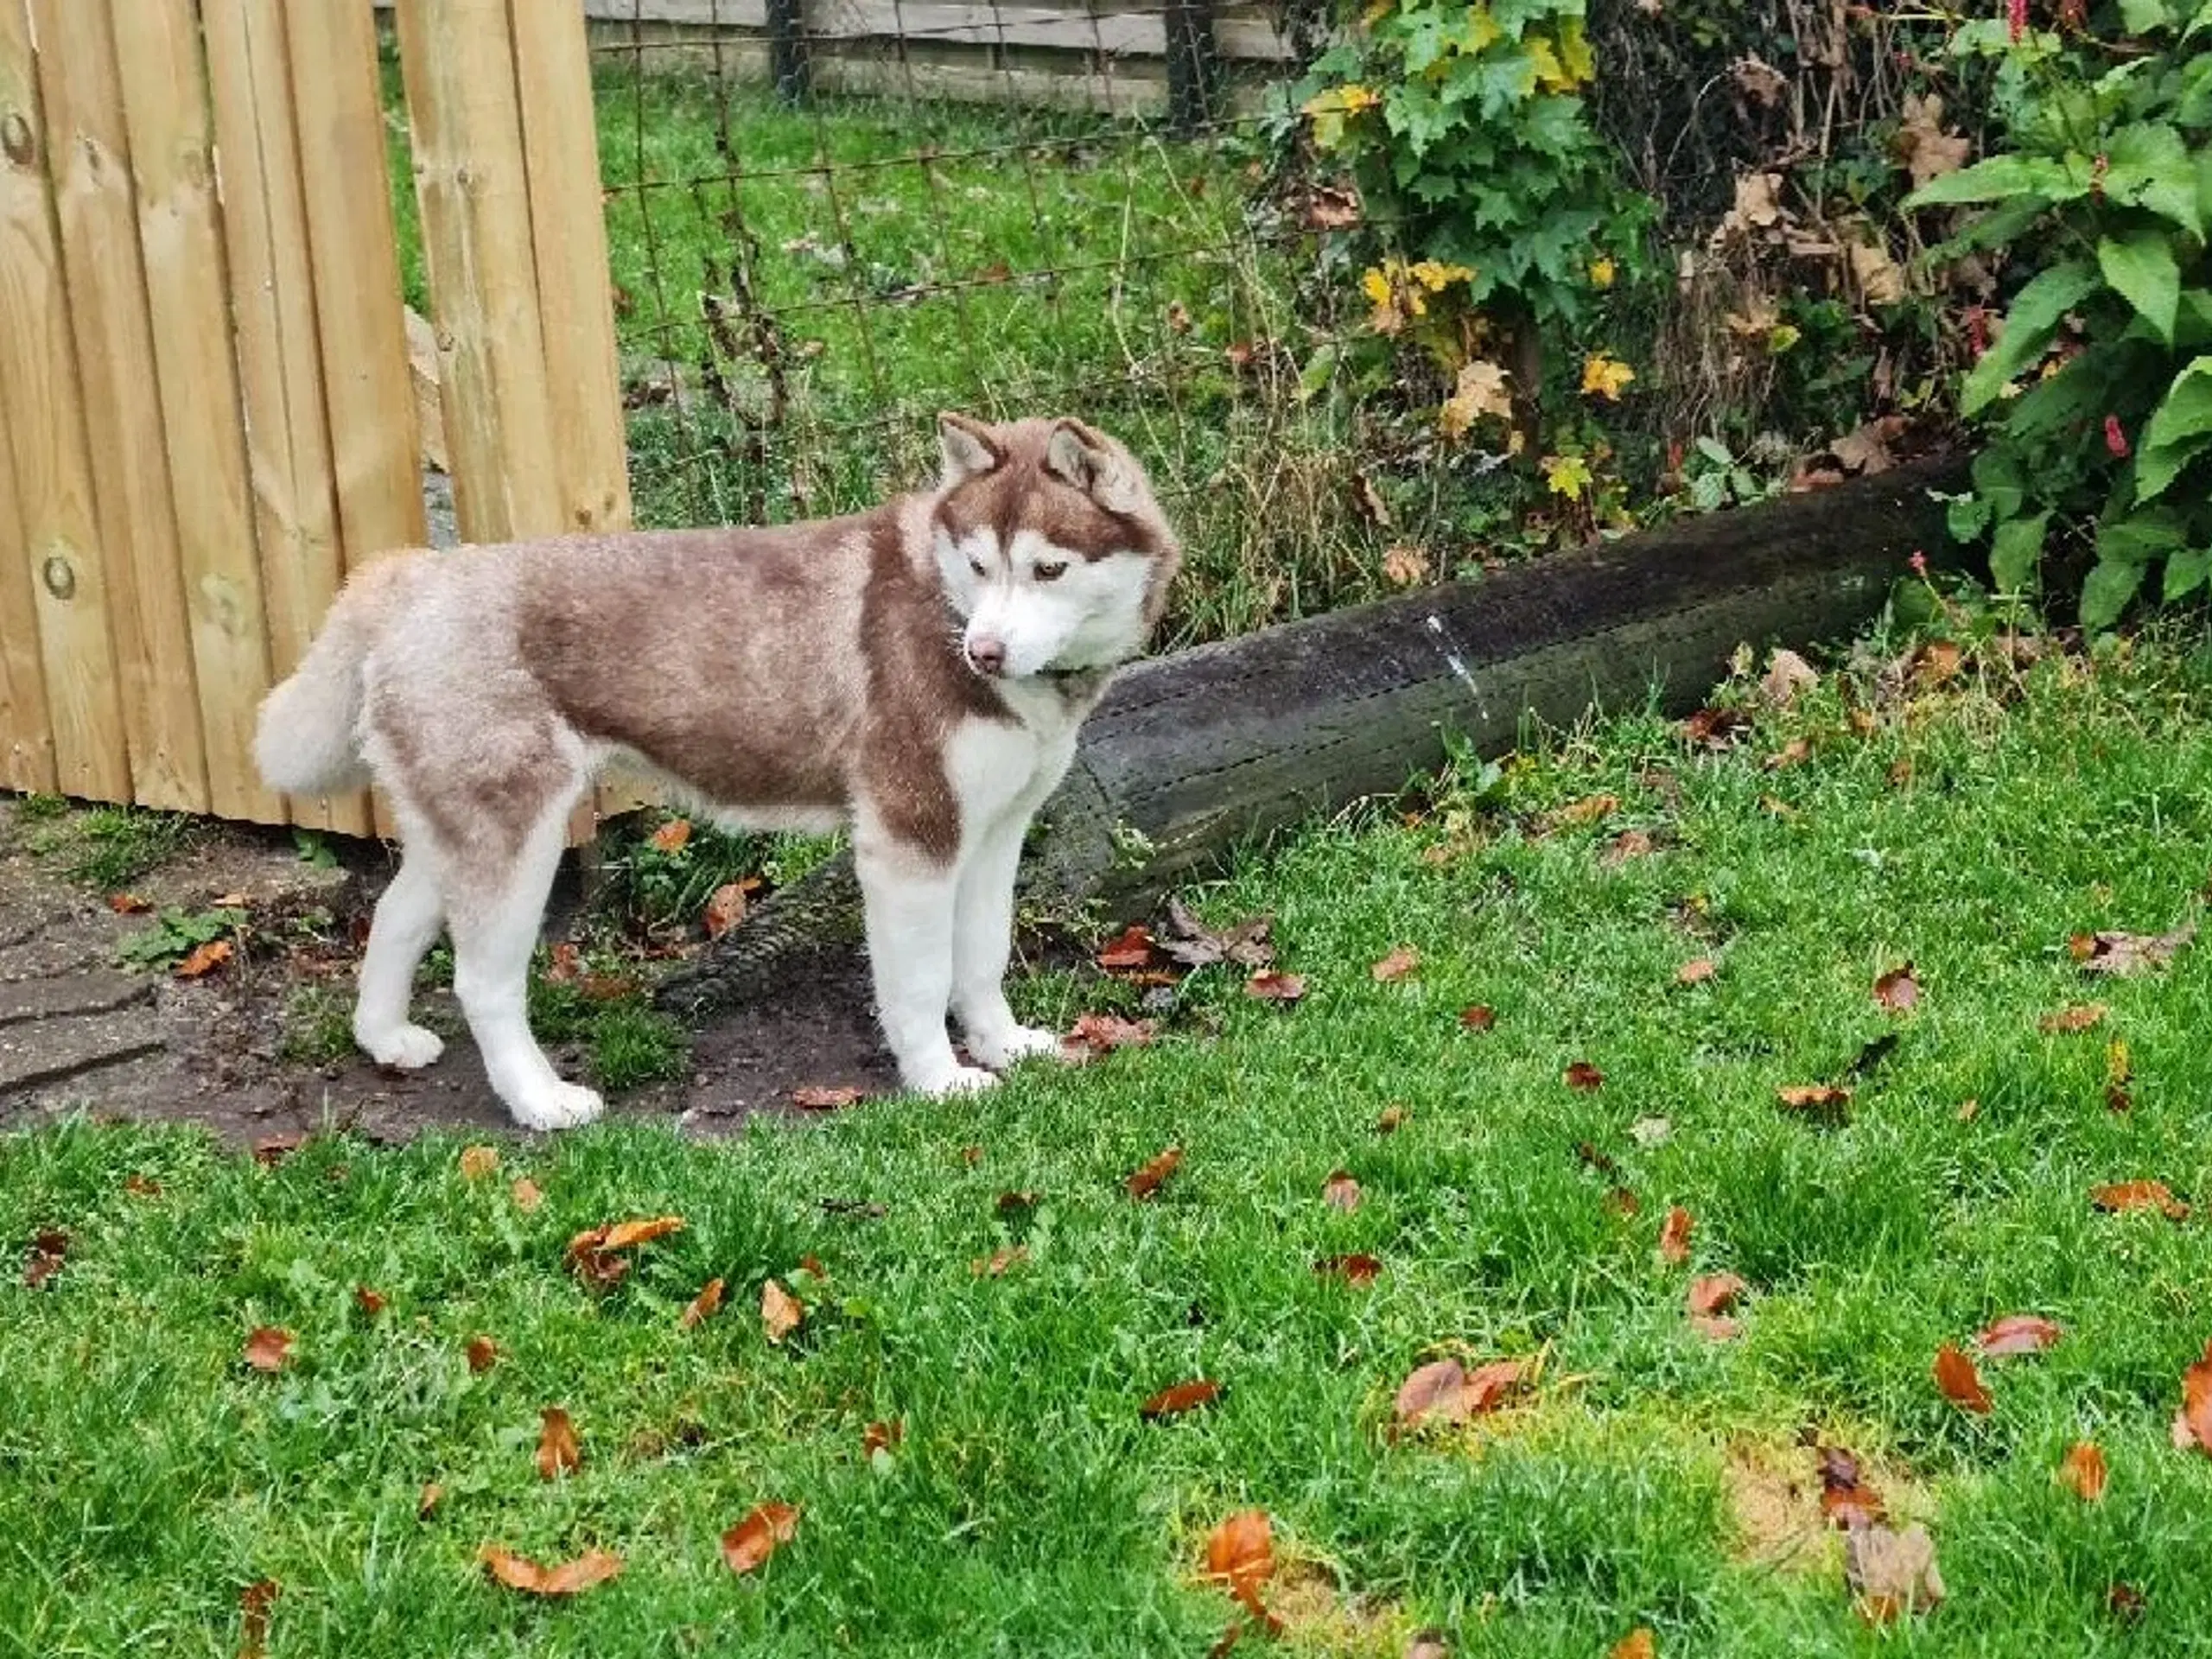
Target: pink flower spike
{"points": [[2115, 440], [2016, 13], [1919, 563]]}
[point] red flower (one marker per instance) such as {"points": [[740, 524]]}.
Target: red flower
{"points": [[2016, 15], [1919, 563], [2115, 440], [1978, 330]]}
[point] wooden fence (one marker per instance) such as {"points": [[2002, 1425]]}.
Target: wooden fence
{"points": [[206, 416]]}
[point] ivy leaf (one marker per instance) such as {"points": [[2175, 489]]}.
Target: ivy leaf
{"points": [[2180, 428], [2142, 268], [2035, 312], [2015, 553]]}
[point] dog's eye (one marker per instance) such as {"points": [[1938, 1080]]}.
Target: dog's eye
{"points": [[976, 565], [1051, 572]]}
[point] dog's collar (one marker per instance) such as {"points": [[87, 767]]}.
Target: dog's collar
{"points": [[1072, 682]]}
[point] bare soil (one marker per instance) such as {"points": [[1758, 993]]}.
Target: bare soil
{"points": [[80, 1033]]}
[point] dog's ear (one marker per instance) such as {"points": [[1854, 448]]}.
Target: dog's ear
{"points": [[969, 450], [1088, 459]]}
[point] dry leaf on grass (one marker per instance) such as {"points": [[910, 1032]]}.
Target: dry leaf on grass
{"points": [[824, 1097], [1241, 1552], [1898, 990], [254, 1604], [1402, 960], [1352, 1269], [2083, 1470], [727, 906], [1340, 1191], [1127, 951], [1696, 971], [527, 1196], [2125, 955], [1184, 1396], [49, 1250], [702, 1305], [1846, 1498], [482, 1354], [477, 1162], [1392, 1120], [1480, 1017], [1579, 814], [1268, 986], [2193, 1422], [1583, 1075], [371, 1302], [1675, 1235], [1444, 1391], [747, 1545], [994, 1265], [1715, 1292], [1923, 148], [883, 1438], [1146, 1181], [205, 959], [1191, 942], [671, 837], [1891, 1572], [269, 1349], [570, 1579], [2079, 1016], [780, 1311], [1817, 1100], [2138, 1195], [1787, 675], [559, 1452], [2016, 1333], [1956, 1375], [1638, 1643], [428, 1499], [1095, 1034]]}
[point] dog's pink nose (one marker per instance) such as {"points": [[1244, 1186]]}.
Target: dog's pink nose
{"points": [[988, 655]]}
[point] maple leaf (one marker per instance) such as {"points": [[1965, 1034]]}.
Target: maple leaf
{"points": [[1130, 949], [1583, 1075], [703, 1306], [1268, 986], [2016, 1333], [2079, 1016], [573, 1578], [1479, 390], [1480, 1017], [780, 1312], [2138, 1195], [205, 959], [2084, 1470], [1568, 476], [1898, 990], [1184, 1396], [1891, 1572], [1925, 148], [1606, 377], [1960, 1383], [748, 1545], [476, 1162], [1352, 1269], [269, 1349], [824, 1097], [1146, 1181], [1675, 1235], [482, 1354], [1340, 1191]]}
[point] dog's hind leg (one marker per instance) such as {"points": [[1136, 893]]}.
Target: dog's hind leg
{"points": [[493, 909], [407, 921]]}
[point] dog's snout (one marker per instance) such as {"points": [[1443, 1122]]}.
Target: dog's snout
{"points": [[986, 655]]}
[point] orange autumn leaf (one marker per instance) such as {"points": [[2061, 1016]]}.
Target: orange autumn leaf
{"points": [[882, 1437], [369, 1301], [1241, 1552], [1675, 1235], [1898, 990], [128, 904], [780, 1312], [1815, 1099], [2139, 1195], [672, 836], [2016, 1333], [2078, 1016], [704, 1304], [482, 1354], [1402, 960], [1636, 1645], [1716, 1293], [526, 1195], [1480, 1017], [1184, 1396], [2193, 1423], [1268, 986], [1127, 951], [1340, 1191], [724, 909], [1444, 1391], [1094, 1035], [824, 1097], [994, 1265], [205, 959], [570, 1579], [747, 1545], [1696, 971], [1960, 1381], [476, 1162], [269, 1349], [2084, 1470], [1846, 1498], [1583, 1075], [254, 1603], [1352, 1269], [559, 1453], [1146, 1181], [625, 1235]]}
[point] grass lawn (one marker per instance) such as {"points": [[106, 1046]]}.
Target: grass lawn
{"points": [[1650, 1476]]}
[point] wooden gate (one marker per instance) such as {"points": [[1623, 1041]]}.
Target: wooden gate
{"points": [[206, 417]]}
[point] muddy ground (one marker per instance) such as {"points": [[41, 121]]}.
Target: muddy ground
{"points": [[81, 1033]]}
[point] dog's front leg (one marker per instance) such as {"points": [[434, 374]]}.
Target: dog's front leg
{"points": [[983, 939], [909, 900]]}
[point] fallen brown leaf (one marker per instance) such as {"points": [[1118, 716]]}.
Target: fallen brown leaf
{"points": [[1622, 1202], [205, 959], [1715, 1292], [1341, 1191], [527, 1196], [1629, 845], [1444, 1391], [1268, 986], [824, 1097], [1696, 971], [1714, 728], [1583, 1075], [1816, 1099], [1795, 752], [1891, 1572], [1393, 1119], [128, 904], [2079, 1016], [1716, 1327], [2126, 1602], [1675, 1235], [142, 1187], [559, 1453], [1638, 1643], [476, 1162], [482, 1354], [570, 1579], [2125, 955], [672, 836], [726, 906], [369, 1301], [1184, 1396], [1846, 1498], [1898, 990], [1241, 1552], [49, 1250], [702, 1305], [1480, 1017], [1352, 1269], [2016, 1333], [1960, 1381], [780, 1312], [882, 1437], [1578, 813], [2193, 1422], [994, 1265], [1130, 949], [429, 1499], [1191, 942], [2138, 1195], [747, 1545], [1402, 960], [269, 1349], [1427, 1645], [1787, 673], [2084, 1470], [254, 1604], [1146, 1181], [1094, 1035]]}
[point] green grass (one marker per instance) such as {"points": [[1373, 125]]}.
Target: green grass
{"points": [[103, 848], [146, 1476]]}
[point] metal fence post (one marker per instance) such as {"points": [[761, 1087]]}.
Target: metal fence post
{"points": [[787, 51], [1191, 64]]}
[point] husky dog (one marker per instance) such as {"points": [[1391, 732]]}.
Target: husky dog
{"points": [[917, 673]]}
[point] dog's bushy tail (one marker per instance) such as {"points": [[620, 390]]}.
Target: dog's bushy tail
{"points": [[307, 739]]}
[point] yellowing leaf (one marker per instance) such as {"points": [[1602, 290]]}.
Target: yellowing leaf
{"points": [[1436, 277], [1606, 377], [1576, 61], [1480, 391], [1602, 272], [1566, 475], [1330, 109]]}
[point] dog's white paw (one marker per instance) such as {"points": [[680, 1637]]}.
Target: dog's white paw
{"points": [[404, 1048], [1018, 1042], [562, 1106], [960, 1080]]}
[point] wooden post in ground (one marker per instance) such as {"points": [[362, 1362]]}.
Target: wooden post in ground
{"points": [[787, 57]]}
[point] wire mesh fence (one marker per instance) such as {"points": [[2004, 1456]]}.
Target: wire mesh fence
{"points": [[981, 207]]}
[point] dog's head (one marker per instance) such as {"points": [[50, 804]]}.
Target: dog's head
{"points": [[1049, 545]]}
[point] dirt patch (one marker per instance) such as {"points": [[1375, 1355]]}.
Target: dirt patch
{"points": [[1774, 1491], [78, 1034]]}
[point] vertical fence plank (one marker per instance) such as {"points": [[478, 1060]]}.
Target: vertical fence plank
{"points": [[98, 213], [26, 736], [279, 350], [165, 106], [471, 178], [61, 551], [575, 300]]}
